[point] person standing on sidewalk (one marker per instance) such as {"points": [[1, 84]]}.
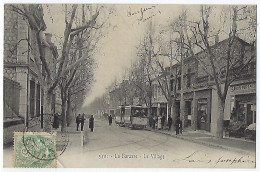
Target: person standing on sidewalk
{"points": [[163, 120], [169, 123], [110, 119], [78, 121], [91, 123], [153, 123], [178, 125], [55, 121], [82, 121]]}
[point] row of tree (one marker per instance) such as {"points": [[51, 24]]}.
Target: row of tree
{"points": [[73, 66]]}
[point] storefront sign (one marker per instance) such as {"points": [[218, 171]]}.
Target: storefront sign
{"points": [[203, 100], [241, 88]]}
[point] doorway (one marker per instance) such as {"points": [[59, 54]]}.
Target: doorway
{"points": [[202, 117]]}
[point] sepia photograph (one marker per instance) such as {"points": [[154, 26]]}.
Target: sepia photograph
{"points": [[109, 85]]}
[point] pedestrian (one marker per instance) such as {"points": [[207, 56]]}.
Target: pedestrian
{"points": [[78, 121], [56, 121], [159, 122], [82, 121], [110, 119], [163, 120], [91, 123], [178, 126], [169, 122], [153, 122]]}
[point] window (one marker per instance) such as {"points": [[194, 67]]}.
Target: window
{"points": [[188, 81], [179, 83]]}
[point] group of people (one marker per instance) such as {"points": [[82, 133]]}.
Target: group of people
{"points": [[158, 122], [80, 120]]}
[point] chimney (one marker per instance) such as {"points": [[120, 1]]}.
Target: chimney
{"points": [[216, 39], [48, 37]]}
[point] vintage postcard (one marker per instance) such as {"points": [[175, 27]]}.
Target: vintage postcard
{"points": [[129, 85]]}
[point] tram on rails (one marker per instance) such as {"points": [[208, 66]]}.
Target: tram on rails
{"points": [[132, 116]]}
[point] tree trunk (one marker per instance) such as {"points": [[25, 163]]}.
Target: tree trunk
{"points": [[63, 109], [174, 110], [68, 112], [182, 110], [48, 115], [220, 121], [169, 108]]}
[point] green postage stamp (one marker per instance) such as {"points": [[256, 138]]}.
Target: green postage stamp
{"points": [[35, 150]]}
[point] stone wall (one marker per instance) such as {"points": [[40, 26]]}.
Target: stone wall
{"points": [[10, 73], [10, 34]]}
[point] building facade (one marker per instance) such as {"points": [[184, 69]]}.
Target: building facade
{"points": [[200, 98], [20, 49]]}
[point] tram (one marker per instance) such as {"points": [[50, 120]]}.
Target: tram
{"points": [[132, 116]]}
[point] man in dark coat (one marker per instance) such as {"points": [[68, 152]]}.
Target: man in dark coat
{"points": [[91, 123], [56, 121], [178, 125], [78, 121], [169, 122], [82, 121], [110, 119], [163, 120]]}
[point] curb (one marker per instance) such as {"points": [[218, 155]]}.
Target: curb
{"points": [[203, 143]]}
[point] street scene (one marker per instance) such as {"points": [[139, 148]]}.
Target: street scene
{"points": [[110, 85]]}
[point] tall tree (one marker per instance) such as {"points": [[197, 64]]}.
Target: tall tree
{"points": [[33, 13], [221, 70]]}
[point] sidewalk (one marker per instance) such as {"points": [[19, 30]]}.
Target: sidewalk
{"points": [[207, 139], [69, 143]]}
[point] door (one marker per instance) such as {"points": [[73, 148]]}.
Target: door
{"points": [[202, 117], [188, 113], [250, 118]]}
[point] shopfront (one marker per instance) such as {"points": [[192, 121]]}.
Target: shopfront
{"points": [[202, 112], [243, 103]]}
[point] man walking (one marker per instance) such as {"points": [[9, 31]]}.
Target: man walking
{"points": [[56, 121], [169, 123], [91, 123], [110, 119], [78, 121], [178, 126], [163, 120], [82, 121]]}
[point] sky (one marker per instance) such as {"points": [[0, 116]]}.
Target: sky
{"points": [[118, 48]]}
